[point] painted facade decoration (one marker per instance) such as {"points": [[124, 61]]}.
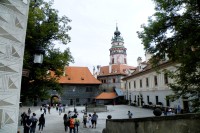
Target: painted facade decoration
{"points": [[13, 24]]}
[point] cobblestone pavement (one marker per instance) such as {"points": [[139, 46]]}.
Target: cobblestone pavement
{"points": [[54, 121]]}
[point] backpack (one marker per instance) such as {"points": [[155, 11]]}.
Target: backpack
{"points": [[71, 123], [77, 122]]}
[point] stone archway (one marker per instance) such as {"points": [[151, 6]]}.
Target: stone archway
{"points": [[55, 99]]}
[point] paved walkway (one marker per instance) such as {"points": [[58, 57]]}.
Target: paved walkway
{"points": [[54, 121]]}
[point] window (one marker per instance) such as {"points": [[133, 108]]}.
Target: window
{"points": [[77, 100], [134, 83], [167, 101], [140, 83], [148, 99], [112, 60], [88, 89], [129, 85], [124, 60], [113, 80], [155, 80], [156, 99], [147, 82], [166, 78]]}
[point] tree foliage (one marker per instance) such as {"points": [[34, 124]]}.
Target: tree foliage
{"points": [[174, 30], [44, 28]]}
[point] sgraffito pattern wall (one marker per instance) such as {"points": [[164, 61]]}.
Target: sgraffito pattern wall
{"points": [[13, 24]]}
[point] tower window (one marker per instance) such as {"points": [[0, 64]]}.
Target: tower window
{"points": [[112, 60], [125, 60]]}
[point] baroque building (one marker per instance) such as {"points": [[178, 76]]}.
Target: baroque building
{"points": [[148, 86], [111, 75]]}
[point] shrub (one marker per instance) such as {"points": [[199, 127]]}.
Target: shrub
{"points": [[157, 112]]}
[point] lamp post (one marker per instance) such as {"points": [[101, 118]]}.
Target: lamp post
{"points": [[38, 55], [38, 60], [74, 90]]}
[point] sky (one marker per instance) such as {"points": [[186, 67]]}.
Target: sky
{"points": [[94, 23]]}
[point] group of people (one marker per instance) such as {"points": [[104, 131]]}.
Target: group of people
{"points": [[30, 122], [90, 120], [71, 121]]}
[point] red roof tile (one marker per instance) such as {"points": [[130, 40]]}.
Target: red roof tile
{"points": [[106, 95], [115, 69], [78, 75]]}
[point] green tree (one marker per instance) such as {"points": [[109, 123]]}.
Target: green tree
{"points": [[174, 30], [44, 29]]}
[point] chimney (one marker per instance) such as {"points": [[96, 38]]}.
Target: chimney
{"points": [[110, 67], [139, 60]]}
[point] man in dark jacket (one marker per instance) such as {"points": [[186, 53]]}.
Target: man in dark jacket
{"points": [[34, 123]]}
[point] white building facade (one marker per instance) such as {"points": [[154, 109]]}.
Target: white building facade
{"points": [[149, 86]]}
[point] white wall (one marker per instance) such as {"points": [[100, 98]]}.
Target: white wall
{"points": [[13, 24], [161, 89]]}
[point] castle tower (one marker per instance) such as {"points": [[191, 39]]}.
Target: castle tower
{"points": [[117, 51]]}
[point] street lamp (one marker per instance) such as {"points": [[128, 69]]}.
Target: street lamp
{"points": [[39, 55], [38, 60]]}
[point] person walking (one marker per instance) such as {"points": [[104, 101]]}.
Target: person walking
{"points": [[45, 110], [40, 108], [129, 114], [49, 109], [72, 124], [94, 120], [41, 122], [34, 123], [90, 121], [28, 124], [85, 120], [29, 111], [77, 122], [66, 122], [23, 115], [60, 110]]}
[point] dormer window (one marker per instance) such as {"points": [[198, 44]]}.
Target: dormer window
{"points": [[82, 78], [69, 78]]}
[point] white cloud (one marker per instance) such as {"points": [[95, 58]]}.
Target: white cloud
{"points": [[93, 25]]}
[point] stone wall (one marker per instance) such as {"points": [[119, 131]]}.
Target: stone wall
{"points": [[188, 123], [101, 108], [13, 24]]}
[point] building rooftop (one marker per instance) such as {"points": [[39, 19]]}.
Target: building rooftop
{"points": [[78, 75], [115, 69], [106, 95]]}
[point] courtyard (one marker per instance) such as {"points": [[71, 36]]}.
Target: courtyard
{"points": [[54, 121]]}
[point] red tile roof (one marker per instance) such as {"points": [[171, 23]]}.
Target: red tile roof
{"points": [[78, 75], [115, 69], [106, 95]]}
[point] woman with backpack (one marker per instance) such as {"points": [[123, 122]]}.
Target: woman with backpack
{"points": [[72, 124], [41, 122], [77, 122], [66, 122]]}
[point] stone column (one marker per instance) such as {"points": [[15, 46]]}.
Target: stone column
{"points": [[13, 24]]}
